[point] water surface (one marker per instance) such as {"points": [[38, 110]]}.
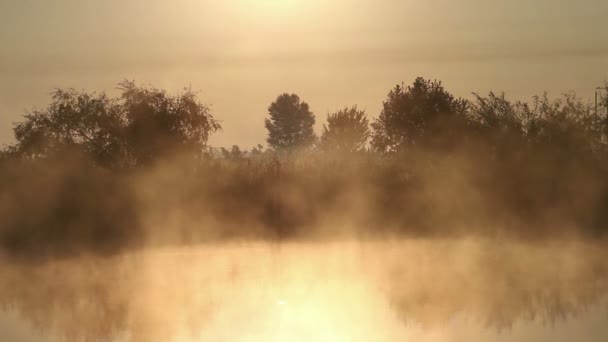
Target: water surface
{"points": [[417, 289]]}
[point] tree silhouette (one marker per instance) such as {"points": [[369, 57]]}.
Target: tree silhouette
{"points": [[423, 114], [525, 166], [257, 150], [347, 130], [159, 124], [290, 124], [140, 126], [234, 153], [89, 123], [500, 123], [566, 124]]}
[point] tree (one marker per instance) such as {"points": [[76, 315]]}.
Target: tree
{"points": [[290, 124], [86, 122], [159, 124], [140, 126], [564, 124], [257, 150], [423, 114], [234, 153], [347, 130], [602, 111], [498, 122]]}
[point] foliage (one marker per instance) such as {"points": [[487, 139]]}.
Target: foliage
{"points": [[234, 153], [489, 166], [90, 123], [290, 125], [347, 130], [142, 125], [421, 115], [159, 124]]}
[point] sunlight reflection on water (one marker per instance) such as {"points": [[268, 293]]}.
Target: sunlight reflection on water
{"points": [[382, 291]]}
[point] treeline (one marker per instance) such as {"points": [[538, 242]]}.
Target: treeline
{"points": [[96, 173]]}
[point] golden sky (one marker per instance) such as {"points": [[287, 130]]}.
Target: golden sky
{"points": [[240, 54]]}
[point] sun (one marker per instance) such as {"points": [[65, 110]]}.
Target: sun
{"points": [[279, 4], [276, 7]]}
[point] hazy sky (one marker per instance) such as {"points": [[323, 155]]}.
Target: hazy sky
{"points": [[240, 54]]}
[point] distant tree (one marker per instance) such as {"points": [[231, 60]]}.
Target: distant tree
{"points": [[290, 124], [603, 110], [423, 114], [564, 124], [142, 125], [347, 130], [500, 123], [257, 150], [84, 122], [234, 153], [159, 124], [7, 153], [496, 113]]}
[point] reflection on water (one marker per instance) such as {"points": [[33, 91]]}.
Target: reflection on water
{"points": [[374, 291]]}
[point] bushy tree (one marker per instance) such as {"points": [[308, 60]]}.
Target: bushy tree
{"points": [[257, 150], [496, 113], [77, 121], [567, 124], [140, 126], [601, 116], [159, 124], [290, 124], [234, 153], [347, 130], [498, 123], [423, 115]]}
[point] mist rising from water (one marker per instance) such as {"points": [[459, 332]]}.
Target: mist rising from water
{"points": [[341, 291]]}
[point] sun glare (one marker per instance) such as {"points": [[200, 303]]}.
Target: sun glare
{"points": [[272, 8]]}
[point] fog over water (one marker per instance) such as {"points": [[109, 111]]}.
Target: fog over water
{"points": [[385, 290], [303, 170], [500, 239]]}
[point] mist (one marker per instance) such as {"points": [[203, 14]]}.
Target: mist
{"points": [[439, 218], [341, 291]]}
